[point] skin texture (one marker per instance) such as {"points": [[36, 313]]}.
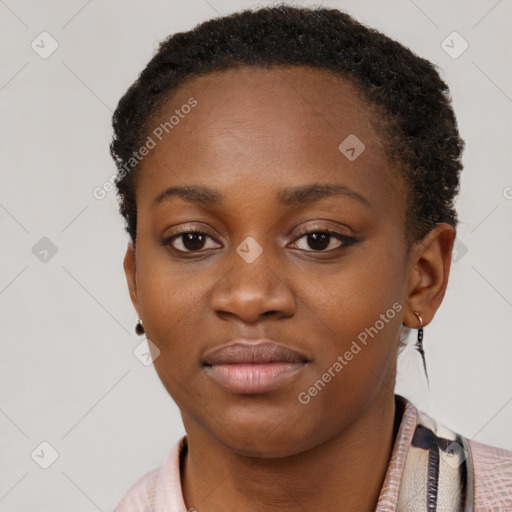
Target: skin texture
{"points": [[253, 132]]}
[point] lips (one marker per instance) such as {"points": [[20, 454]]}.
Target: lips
{"points": [[250, 352], [249, 367]]}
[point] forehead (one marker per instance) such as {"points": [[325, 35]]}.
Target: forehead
{"points": [[267, 126]]}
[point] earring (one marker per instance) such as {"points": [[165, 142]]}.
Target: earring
{"points": [[139, 328], [419, 344]]}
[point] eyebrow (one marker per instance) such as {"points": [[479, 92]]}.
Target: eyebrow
{"points": [[296, 196]]}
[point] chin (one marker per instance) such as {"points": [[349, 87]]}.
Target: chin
{"points": [[265, 448], [263, 437]]}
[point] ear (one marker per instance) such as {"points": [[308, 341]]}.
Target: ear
{"points": [[129, 265], [429, 268]]}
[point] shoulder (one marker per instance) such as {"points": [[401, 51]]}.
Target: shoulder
{"points": [[492, 468], [158, 489]]}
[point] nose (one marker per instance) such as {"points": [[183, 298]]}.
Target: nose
{"points": [[252, 291]]}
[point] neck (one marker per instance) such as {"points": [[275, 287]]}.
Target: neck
{"points": [[345, 473]]}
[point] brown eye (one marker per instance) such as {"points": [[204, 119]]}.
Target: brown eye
{"points": [[189, 241], [324, 241], [319, 241]]}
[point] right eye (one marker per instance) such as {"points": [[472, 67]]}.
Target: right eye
{"points": [[187, 241]]}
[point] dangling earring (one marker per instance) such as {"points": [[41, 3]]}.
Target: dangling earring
{"points": [[139, 328], [419, 344]]}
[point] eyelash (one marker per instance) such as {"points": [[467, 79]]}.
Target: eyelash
{"points": [[346, 240]]}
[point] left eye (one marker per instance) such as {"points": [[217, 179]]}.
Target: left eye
{"points": [[321, 240]]}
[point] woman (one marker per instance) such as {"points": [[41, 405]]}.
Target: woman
{"points": [[287, 177]]}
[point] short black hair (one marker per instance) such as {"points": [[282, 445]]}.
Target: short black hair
{"points": [[413, 104]]}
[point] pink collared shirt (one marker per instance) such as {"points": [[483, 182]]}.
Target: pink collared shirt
{"points": [[160, 490]]}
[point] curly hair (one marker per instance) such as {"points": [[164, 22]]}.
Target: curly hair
{"points": [[412, 103]]}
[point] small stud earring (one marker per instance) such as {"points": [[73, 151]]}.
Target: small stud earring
{"points": [[139, 328], [419, 344]]}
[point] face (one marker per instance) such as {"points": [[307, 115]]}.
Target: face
{"points": [[291, 238]]}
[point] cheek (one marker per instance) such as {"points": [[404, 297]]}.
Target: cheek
{"points": [[356, 312], [174, 302], [166, 305], [353, 295], [174, 313]]}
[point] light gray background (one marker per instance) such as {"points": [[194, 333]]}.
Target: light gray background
{"points": [[68, 375]]}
